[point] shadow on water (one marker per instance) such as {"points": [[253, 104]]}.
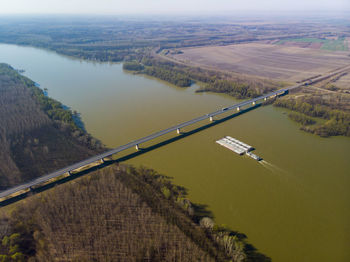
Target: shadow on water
{"points": [[200, 210], [124, 158], [75, 115], [183, 135], [76, 118]]}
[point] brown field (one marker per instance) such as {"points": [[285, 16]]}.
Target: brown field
{"points": [[312, 45], [287, 63], [344, 82]]}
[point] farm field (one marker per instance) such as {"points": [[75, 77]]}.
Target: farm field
{"points": [[343, 83], [331, 44], [273, 61]]}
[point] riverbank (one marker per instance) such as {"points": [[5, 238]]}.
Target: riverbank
{"points": [[149, 204], [331, 122], [38, 135], [244, 195], [211, 81], [166, 199], [338, 119]]}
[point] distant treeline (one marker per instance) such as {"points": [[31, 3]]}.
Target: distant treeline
{"points": [[172, 77], [133, 66], [165, 74], [336, 122], [213, 81], [238, 90], [116, 39]]}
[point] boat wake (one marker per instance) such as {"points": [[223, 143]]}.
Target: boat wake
{"points": [[271, 167], [284, 175]]}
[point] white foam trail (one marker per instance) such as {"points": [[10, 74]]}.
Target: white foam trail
{"points": [[271, 167], [264, 163], [283, 174]]}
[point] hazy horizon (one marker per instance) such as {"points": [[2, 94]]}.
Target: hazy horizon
{"points": [[180, 7]]}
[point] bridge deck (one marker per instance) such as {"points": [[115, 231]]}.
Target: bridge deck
{"points": [[114, 151]]}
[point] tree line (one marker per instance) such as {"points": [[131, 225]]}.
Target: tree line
{"points": [[120, 213], [336, 122], [37, 134], [302, 119], [213, 81], [171, 76]]}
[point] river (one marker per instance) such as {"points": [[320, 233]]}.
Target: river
{"points": [[293, 207]]}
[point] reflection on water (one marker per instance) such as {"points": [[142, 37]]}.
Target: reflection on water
{"points": [[300, 213]]}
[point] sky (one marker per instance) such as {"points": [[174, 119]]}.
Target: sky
{"points": [[165, 6]]}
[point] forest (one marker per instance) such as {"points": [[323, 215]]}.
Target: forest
{"points": [[117, 39], [151, 219], [335, 122], [163, 73], [37, 135], [120, 213], [209, 80], [133, 66], [234, 89], [302, 119]]}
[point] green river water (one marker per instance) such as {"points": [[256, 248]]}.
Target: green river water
{"points": [[292, 207]]}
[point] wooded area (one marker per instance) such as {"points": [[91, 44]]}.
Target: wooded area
{"points": [[210, 80], [117, 214], [37, 135], [116, 39], [336, 122], [302, 119]]}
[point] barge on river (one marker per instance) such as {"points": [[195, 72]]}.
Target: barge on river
{"points": [[238, 147]]}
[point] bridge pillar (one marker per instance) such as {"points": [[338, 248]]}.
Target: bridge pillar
{"points": [[211, 119], [102, 160], [70, 173], [178, 131], [137, 147], [238, 108]]}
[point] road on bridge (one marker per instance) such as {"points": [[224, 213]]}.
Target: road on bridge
{"points": [[177, 128]]}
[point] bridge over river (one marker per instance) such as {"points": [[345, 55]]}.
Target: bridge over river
{"points": [[26, 187]]}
